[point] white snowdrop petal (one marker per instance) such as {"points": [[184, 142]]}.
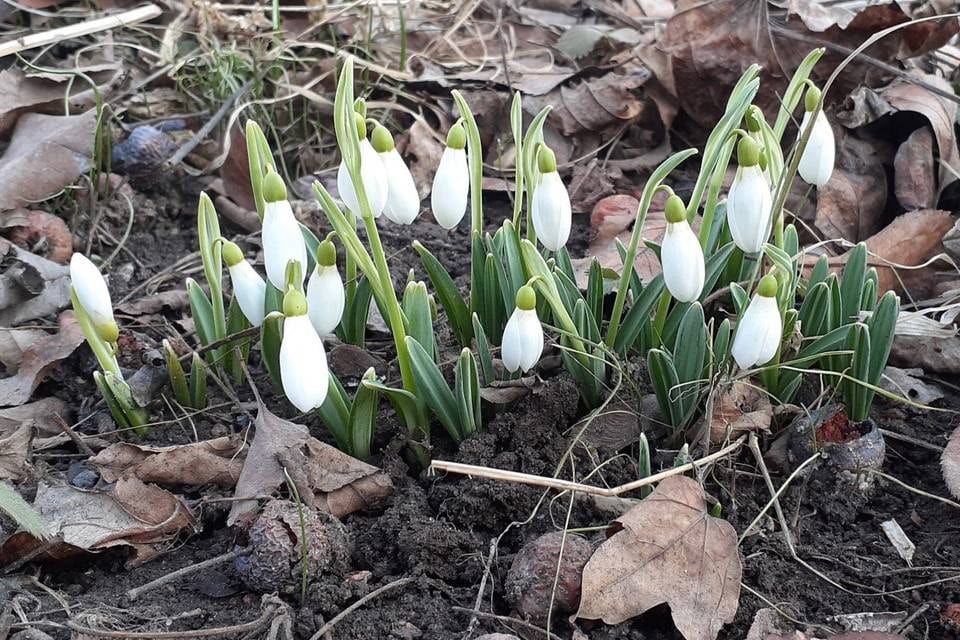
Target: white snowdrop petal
{"points": [[682, 260], [282, 242], [374, 178], [749, 205], [303, 364], [759, 332], [325, 299], [91, 289], [531, 339], [817, 161], [403, 200], [551, 211], [451, 184], [511, 347], [250, 291]]}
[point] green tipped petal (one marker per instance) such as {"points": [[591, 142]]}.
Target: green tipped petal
{"points": [[768, 286], [526, 298], [675, 210], [457, 137], [273, 188], [381, 139], [294, 303]]}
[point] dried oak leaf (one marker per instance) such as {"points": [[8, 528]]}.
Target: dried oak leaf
{"points": [[739, 408], [235, 171], [18, 426], [38, 359], [914, 182], [325, 477], [950, 463], [44, 93], [210, 462], [851, 205], [668, 550]]}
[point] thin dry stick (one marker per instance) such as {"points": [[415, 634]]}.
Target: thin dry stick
{"points": [[136, 592], [508, 621], [359, 603], [483, 585], [776, 496], [567, 485], [207, 127], [77, 440], [246, 627], [133, 16], [914, 489]]}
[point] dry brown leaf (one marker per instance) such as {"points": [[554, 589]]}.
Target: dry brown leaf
{"points": [[950, 463], [235, 171], [45, 154], [38, 93], [31, 287], [40, 231], [217, 462], [933, 355], [909, 383], [668, 550], [737, 409], [925, 230], [595, 104], [421, 148], [174, 300], [851, 205], [38, 359], [914, 182], [325, 477], [18, 426], [13, 342]]}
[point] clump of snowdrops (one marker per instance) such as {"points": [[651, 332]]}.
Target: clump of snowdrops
{"points": [[522, 282]]}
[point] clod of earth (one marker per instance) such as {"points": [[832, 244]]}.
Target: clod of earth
{"points": [[846, 446], [274, 561], [545, 576], [951, 468]]}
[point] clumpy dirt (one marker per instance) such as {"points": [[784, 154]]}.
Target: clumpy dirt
{"points": [[438, 530]]}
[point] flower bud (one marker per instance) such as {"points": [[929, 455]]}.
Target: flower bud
{"points": [[94, 297], [303, 360], [403, 200], [326, 296], [451, 184], [681, 255], [282, 238], [551, 203], [760, 329], [523, 336], [374, 178], [749, 201], [248, 287], [817, 160]]}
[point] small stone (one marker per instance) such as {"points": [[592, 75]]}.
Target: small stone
{"points": [[530, 581]]}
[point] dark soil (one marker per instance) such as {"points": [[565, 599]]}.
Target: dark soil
{"points": [[439, 530]]}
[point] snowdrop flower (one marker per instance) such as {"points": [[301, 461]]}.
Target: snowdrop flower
{"points": [[325, 292], [523, 336], [372, 174], [681, 255], [760, 328], [448, 199], [749, 202], [303, 361], [816, 162], [551, 203], [403, 201], [248, 287], [282, 238], [93, 296]]}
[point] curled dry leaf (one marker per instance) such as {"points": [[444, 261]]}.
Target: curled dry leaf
{"points": [[950, 462], [851, 205], [41, 93], [39, 358], [217, 462], [174, 300], [938, 355], [595, 104], [40, 232], [914, 182], [130, 513], [30, 286], [45, 154], [235, 171], [737, 409], [668, 549], [908, 383], [325, 477], [19, 426]]}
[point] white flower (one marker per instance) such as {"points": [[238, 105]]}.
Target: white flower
{"points": [[281, 235], [374, 178], [93, 295], [403, 200], [816, 163], [749, 202], [303, 361], [551, 212], [325, 298], [248, 287], [760, 329], [523, 336], [681, 255], [451, 184]]}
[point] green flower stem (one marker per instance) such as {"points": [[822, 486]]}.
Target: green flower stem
{"points": [[102, 350], [531, 172], [649, 190], [660, 318], [713, 192], [516, 126], [208, 229], [474, 161]]}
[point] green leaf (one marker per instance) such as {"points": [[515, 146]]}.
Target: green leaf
{"points": [[447, 294], [405, 404], [271, 335], [638, 316], [354, 323], [644, 466], [882, 324], [851, 287], [467, 392], [416, 309], [178, 378], [22, 513], [721, 342], [564, 264], [363, 415], [487, 370], [512, 259], [202, 312], [819, 272], [335, 414], [794, 92], [237, 351], [594, 295], [690, 347], [433, 389], [312, 242], [868, 301], [663, 375], [493, 303], [198, 382], [854, 393], [636, 285], [814, 310], [715, 265], [256, 163], [740, 298]]}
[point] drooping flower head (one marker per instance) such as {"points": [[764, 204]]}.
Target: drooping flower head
{"points": [[403, 200], [760, 328], [248, 287], [303, 360], [92, 294], [372, 173], [817, 159], [681, 255], [325, 292], [451, 184], [749, 202], [551, 203], [523, 335], [282, 238]]}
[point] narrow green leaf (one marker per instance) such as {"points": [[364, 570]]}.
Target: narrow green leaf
{"points": [[487, 370], [178, 378], [198, 382], [594, 295], [663, 375], [335, 413], [24, 515], [740, 298], [715, 265], [447, 294], [363, 416], [882, 324], [721, 342], [416, 309], [433, 389], [851, 287], [405, 404], [202, 312], [819, 272], [467, 392], [271, 334], [814, 310], [638, 316]]}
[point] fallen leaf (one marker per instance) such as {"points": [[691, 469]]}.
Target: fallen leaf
{"points": [[936, 355], [13, 342], [950, 463], [766, 621], [925, 229], [235, 171], [39, 93], [737, 409], [421, 148], [209, 462], [45, 154], [913, 171], [40, 232], [907, 383], [325, 477], [18, 426], [851, 205], [173, 300], [668, 549], [38, 359], [31, 287]]}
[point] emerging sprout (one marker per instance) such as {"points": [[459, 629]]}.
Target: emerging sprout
{"points": [[749, 202], [551, 203], [816, 162], [451, 184], [303, 361], [760, 328], [681, 254], [94, 297], [403, 200], [248, 287], [523, 335], [282, 238], [372, 174], [325, 292]]}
